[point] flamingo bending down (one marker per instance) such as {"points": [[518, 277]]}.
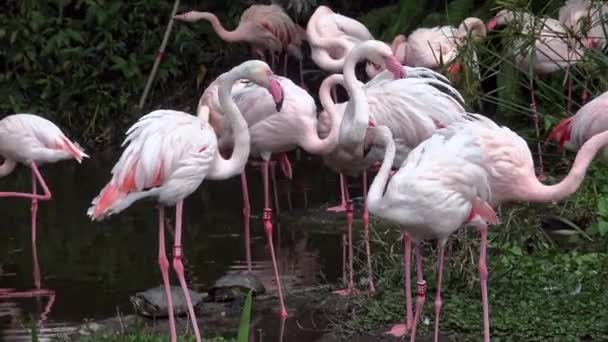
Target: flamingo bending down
{"points": [[550, 52], [442, 185], [438, 46], [168, 156], [32, 141], [590, 120], [267, 28], [586, 20], [331, 37]]}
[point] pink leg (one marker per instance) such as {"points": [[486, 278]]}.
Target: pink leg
{"points": [[275, 193], [399, 330], [246, 219], [267, 218], [440, 246], [351, 283], [569, 104], [34, 213], [179, 267], [45, 189], [483, 280], [302, 84], [368, 253], [285, 166], [541, 173], [344, 278], [584, 95], [164, 269], [342, 206], [421, 293]]}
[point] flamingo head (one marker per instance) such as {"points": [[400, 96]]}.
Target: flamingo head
{"points": [[561, 133], [501, 18], [262, 75], [394, 66], [372, 69]]}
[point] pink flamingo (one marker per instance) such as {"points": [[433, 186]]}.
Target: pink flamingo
{"points": [[437, 46], [273, 132], [32, 140], [331, 37], [168, 156], [412, 107], [585, 20], [267, 28], [436, 202], [590, 120], [549, 53], [513, 177]]}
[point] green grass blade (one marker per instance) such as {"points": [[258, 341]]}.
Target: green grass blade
{"points": [[243, 335]]}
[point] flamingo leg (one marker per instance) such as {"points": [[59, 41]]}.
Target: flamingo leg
{"points": [[399, 330], [342, 206], [267, 218], [584, 94], [275, 193], [351, 283], [34, 214], [440, 247], [421, 293], [285, 64], [246, 219], [541, 173], [483, 280], [344, 278], [47, 195], [163, 262], [368, 253], [179, 267], [301, 74]]}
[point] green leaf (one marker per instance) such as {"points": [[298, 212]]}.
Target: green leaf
{"points": [[516, 250], [243, 334], [602, 228], [602, 206]]}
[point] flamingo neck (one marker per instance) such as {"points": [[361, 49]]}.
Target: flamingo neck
{"points": [[355, 121], [538, 192], [229, 36], [376, 190], [226, 168], [7, 167]]}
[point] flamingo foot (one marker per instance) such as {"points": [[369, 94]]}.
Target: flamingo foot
{"points": [[339, 208], [398, 330]]}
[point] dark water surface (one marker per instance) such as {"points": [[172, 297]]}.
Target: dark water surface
{"points": [[93, 268]]}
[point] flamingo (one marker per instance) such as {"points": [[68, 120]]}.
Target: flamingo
{"points": [[32, 141], [550, 52], [442, 185], [512, 177], [169, 154], [590, 120], [267, 28], [585, 20], [331, 37], [436, 46], [412, 108]]}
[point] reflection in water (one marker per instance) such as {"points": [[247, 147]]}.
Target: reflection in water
{"points": [[90, 270]]}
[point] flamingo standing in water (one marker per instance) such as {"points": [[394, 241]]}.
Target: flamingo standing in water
{"points": [[442, 185], [590, 120], [550, 52], [168, 156], [267, 28], [32, 141]]}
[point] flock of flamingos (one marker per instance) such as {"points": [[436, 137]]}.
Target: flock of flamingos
{"points": [[440, 167]]}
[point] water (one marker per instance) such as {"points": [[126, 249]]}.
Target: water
{"points": [[93, 268]]}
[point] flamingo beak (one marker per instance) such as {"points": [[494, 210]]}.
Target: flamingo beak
{"points": [[492, 24], [454, 69], [395, 67], [276, 90], [592, 43]]}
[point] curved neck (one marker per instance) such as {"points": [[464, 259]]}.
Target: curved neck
{"points": [[355, 121], [7, 167], [312, 143], [473, 26], [376, 190], [226, 168], [538, 192], [229, 36]]}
